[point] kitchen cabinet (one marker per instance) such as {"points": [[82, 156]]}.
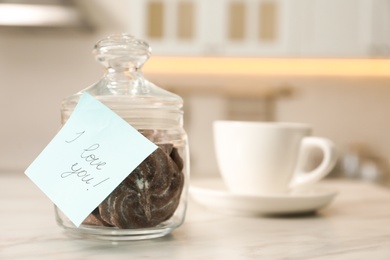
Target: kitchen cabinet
{"points": [[170, 27], [347, 28], [319, 28], [218, 27]]}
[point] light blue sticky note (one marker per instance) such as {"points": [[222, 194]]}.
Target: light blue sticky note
{"points": [[89, 157]]}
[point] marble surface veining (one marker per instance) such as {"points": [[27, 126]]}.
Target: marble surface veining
{"points": [[355, 226]]}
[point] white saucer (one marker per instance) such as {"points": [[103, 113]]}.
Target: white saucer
{"points": [[213, 194]]}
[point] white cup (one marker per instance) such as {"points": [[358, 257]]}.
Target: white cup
{"points": [[257, 158]]}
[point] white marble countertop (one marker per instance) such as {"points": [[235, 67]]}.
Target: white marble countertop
{"points": [[355, 226]]}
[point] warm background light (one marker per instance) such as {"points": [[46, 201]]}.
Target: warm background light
{"points": [[268, 66]]}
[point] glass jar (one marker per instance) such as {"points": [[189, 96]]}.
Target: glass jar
{"points": [[158, 115]]}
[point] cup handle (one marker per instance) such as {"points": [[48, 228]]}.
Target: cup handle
{"points": [[302, 178]]}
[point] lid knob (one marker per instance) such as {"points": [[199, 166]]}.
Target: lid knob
{"points": [[122, 51]]}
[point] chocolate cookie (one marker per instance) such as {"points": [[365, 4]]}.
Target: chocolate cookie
{"points": [[149, 195]]}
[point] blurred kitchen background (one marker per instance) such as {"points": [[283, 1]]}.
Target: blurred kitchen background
{"points": [[324, 62]]}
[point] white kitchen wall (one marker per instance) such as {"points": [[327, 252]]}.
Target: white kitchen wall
{"points": [[36, 72], [38, 68]]}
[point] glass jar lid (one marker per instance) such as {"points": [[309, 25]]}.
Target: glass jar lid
{"points": [[123, 85]]}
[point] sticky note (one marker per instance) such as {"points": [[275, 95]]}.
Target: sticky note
{"points": [[89, 157]]}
